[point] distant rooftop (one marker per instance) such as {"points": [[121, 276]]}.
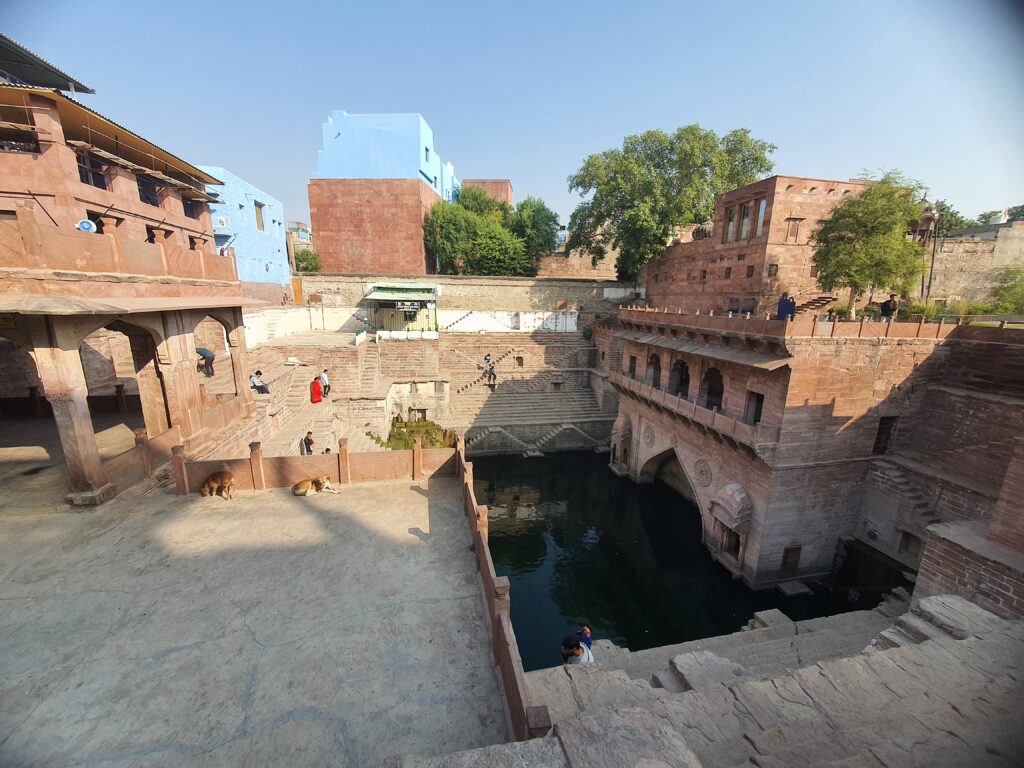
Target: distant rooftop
{"points": [[983, 231], [19, 64]]}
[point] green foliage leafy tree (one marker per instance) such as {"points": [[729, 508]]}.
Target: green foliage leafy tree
{"points": [[496, 251], [864, 246], [655, 182], [951, 219], [476, 200], [448, 234], [537, 226], [1008, 290], [307, 261]]}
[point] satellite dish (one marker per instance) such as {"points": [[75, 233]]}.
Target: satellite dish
{"points": [[87, 226]]}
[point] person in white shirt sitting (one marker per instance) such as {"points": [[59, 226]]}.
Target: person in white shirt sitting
{"points": [[259, 386]]}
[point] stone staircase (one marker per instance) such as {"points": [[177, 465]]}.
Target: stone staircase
{"points": [[816, 304], [915, 502], [369, 370], [317, 418], [951, 700]]}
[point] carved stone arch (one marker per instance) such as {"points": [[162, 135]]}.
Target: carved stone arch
{"points": [[654, 465], [732, 507]]}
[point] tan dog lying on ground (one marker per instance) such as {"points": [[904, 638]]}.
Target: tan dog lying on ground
{"points": [[219, 482], [321, 484]]}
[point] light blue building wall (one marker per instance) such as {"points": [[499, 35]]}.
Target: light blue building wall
{"points": [[260, 253], [383, 147]]}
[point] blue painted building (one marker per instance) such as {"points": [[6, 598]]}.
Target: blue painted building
{"points": [[251, 222], [384, 147]]}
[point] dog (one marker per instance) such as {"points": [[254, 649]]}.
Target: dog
{"points": [[219, 482], [320, 484]]}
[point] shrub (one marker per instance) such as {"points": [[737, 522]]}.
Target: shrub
{"points": [[307, 261]]}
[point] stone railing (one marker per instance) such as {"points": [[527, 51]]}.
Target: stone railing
{"points": [[760, 325], [258, 472], [528, 720], [748, 434]]}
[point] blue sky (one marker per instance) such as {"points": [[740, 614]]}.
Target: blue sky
{"points": [[527, 90]]}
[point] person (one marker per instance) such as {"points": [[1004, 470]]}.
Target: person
{"points": [[487, 360], [205, 361], [325, 382], [259, 386], [306, 444], [316, 390], [327, 450], [786, 309], [889, 308], [585, 635], [492, 376], [574, 652]]}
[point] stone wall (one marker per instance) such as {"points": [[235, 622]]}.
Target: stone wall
{"points": [[577, 265], [371, 226], [497, 189], [964, 267]]}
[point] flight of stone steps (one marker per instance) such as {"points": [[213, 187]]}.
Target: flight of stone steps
{"points": [[953, 700], [917, 503]]}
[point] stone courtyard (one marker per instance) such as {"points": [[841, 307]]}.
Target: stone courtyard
{"points": [[268, 630]]}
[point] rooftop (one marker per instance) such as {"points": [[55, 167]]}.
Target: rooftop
{"points": [[30, 68]]}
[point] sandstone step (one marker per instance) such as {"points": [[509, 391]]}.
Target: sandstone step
{"points": [[956, 616], [917, 628]]}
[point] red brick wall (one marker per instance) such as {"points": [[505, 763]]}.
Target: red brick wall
{"points": [[1008, 520], [370, 226], [674, 278], [499, 189]]}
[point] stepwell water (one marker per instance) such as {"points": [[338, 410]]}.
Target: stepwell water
{"points": [[580, 544]]}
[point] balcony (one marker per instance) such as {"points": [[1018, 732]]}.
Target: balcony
{"points": [[753, 435]]}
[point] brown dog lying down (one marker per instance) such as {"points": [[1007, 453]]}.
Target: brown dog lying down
{"points": [[321, 484], [219, 482]]}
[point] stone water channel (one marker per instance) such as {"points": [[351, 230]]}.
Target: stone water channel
{"points": [[581, 544]]}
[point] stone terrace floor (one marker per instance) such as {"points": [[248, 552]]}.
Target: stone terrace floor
{"points": [[268, 630]]}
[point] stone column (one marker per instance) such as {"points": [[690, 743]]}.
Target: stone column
{"points": [[178, 462], [259, 483], [344, 474], [417, 458]]}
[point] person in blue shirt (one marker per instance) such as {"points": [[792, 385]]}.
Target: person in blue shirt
{"points": [[206, 361]]}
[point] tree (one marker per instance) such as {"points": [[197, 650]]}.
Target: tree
{"points": [[307, 261], [536, 225], [951, 219], [476, 200], [655, 182], [864, 245], [1017, 213], [448, 233], [496, 251], [986, 216], [1008, 290]]}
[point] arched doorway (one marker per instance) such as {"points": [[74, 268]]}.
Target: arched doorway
{"points": [[712, 389], [679, 380], [653, 376], [214, 360]]}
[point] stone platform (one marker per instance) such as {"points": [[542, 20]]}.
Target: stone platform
{"points": [[268, 630]]}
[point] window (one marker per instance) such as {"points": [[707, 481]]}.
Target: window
{"points": [[748, 305], [773, 270], [703, 274], [556, 386], [745, 222], [730, 228], [712, 388], [734, 305], [96, 219], [909, 544], [750, 271], [654, 371], [741, 257], [814, 270], [728, 272], [417, 414], [519, 362], [755, 404], [259, 215], [759, 226], [193, 208], [883, 437], [150, 234], [679, 380], [426, 154], [792, 230], [194, 243], [149, 190], [790, 561], [632, 367], [731, 543], [90, 171]]}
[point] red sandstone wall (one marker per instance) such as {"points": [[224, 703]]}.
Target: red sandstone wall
{"points": [[371, 226], [577, 265], [674, 278], [498, 189]]}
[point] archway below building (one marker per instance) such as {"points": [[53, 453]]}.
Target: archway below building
{"points": [[214, 361], [665, 467]]}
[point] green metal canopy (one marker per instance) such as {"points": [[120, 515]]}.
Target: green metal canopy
{"points": [[379, 295]]}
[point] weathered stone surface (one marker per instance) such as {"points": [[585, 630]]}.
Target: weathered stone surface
{"points": [[536, 753], [633, 737], [702, 669], [956, 616]]}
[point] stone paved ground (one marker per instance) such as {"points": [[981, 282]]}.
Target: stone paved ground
{"points": [[270, 630]]}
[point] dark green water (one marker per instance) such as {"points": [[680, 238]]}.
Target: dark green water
{"points": [[580, 544]]}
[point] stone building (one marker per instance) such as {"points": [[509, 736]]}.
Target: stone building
{"points": [[757, 246], [104, 234], [498, 189], [962, 264], [790, 437], [376, 178]]}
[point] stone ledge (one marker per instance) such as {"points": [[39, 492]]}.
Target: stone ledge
{"points": [[970, 535]]}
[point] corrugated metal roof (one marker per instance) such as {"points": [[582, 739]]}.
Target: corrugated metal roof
{"points": [[31, 68], [738, 355]]}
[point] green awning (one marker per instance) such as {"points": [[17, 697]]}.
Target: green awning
{"points": [[385, 295]]}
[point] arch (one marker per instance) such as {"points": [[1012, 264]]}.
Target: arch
{"points": [[622, 440], [669, 468], [712, 389], [679, 380], [652, 375], [212, 334]]}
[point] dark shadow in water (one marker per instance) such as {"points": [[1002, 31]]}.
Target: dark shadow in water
{"points": [[580, 544]]}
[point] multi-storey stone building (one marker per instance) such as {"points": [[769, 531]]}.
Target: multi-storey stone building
{"points": [[790, 437], [103, 231], [757, 247]]}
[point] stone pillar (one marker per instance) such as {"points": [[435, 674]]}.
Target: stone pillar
{"points": [[259, 483], [482, 520], [178, 462], [142, 443], [344, 473], [236, 345], [178, 363], [502, 601], [417, 458]]}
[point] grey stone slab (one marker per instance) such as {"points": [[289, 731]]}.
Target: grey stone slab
{"points": [[553, 687], [773, 617], [628, 737], [703, 669], [793, 588], [535, 753], [956, 616], [594, 687]]}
